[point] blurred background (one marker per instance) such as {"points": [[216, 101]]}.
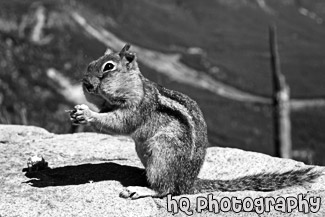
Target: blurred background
{"points": [[215, 51]]}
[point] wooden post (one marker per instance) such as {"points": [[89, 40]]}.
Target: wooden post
{"points": [[281, 102]]}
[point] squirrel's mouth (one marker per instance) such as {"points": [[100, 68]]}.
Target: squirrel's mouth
{"points": [[89, 87]]}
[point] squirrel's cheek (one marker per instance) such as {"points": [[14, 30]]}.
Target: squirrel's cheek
{"points": [[95, 99]]}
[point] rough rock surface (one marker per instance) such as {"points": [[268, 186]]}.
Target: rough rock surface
{"points": [[89, 170]]}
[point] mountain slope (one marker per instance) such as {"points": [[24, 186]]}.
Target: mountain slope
{"points": [[225, 40]]}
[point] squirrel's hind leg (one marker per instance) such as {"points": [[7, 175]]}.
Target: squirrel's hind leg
{"points": [[169, 169], [158, 156]]}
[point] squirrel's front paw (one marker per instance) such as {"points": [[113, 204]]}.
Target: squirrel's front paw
{"points": [[81, 114]]}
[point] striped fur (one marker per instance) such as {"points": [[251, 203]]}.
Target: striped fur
{"points": [[182, 111]]}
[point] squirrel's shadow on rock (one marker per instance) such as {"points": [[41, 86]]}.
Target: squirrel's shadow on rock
{"points": [[86, 173]]}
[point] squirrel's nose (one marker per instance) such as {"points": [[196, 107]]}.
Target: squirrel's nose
{"points": [[88, 86]]}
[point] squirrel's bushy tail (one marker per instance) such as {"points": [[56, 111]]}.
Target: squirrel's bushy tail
{"points": [[259, 182]]}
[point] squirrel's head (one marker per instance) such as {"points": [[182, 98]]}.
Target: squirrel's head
{"points": [[113, 79]]}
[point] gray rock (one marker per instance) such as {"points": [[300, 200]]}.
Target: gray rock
{"points": [[89, 170]]}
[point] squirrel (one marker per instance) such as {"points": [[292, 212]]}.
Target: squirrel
{"points": [[168, 129]]}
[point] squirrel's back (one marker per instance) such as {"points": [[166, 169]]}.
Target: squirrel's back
{"points": [[186, 109]]}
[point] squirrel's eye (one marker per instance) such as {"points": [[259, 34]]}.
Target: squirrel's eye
{"points": [[108, 66]]}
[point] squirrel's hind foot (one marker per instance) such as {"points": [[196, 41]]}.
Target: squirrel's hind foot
{"points": [[137, 192]]}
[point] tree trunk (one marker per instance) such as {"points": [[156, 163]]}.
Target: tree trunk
{"points": [[281, 103]]}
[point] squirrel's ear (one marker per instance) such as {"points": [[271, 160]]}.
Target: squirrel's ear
{"points": [[130, 57], [124, 50]]}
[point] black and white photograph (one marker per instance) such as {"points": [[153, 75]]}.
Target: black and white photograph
{"points": [[162, 108]]}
